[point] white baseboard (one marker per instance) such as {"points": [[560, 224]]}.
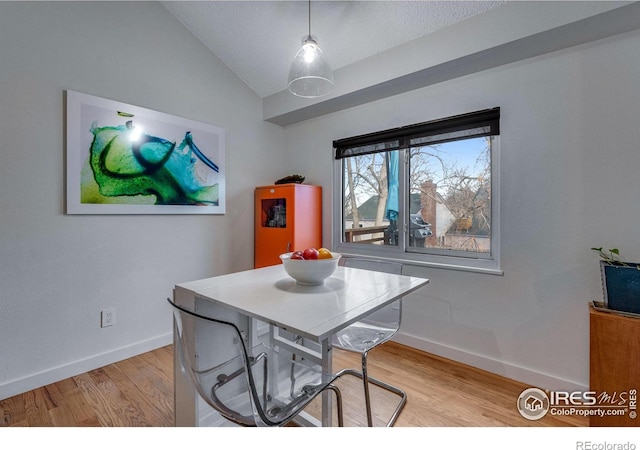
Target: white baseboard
{"points": [[28, 383], [514, 372], [507, 370]]}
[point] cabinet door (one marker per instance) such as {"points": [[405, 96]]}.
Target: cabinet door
{"points": [[273, 224], [288, 217]]}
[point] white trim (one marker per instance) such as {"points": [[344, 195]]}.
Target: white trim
{"points": [[502, 368], [30, 382], [337, 207], [438, 262]]}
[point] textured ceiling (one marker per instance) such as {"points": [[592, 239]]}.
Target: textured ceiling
{"points": [[258, 39]]}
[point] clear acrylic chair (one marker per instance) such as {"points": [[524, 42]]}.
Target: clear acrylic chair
{"points": [[249, 387], [371, 331]]}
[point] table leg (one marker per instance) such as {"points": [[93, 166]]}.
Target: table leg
{"points": [[184, 393], [327, 365]]}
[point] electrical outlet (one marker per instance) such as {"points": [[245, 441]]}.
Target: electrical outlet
{"points": [[108, 317]]}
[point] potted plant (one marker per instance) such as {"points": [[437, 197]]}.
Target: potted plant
{"points": [[620, 281]]}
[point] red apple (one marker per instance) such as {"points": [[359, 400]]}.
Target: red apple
{"points": [[296, 255], [310, 253]]}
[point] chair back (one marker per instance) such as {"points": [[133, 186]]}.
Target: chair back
{"points": [[391, 315], [214, 355], [372, 264]]}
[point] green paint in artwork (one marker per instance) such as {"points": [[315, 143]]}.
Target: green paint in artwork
{"points": [[149, 166]]}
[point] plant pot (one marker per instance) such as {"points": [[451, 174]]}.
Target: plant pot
{"points": [[621, 286]]}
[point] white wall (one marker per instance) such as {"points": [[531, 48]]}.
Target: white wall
{"points": [[569, 160], [58, 271]]}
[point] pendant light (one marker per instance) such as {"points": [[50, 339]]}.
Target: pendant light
{"points": [[310, 75]]}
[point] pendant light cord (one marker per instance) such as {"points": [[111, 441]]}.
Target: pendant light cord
{"points": [[309, 17]]}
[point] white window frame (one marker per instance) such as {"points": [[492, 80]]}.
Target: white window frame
{"points": [[434, 257]]}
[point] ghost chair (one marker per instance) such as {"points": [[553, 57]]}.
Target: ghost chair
{"points": [[370, 332], [247, 386]]}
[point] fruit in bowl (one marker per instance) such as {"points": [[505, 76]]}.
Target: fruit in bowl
{"points": [[312, 271]]}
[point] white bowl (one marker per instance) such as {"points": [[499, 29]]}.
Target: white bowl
{"points": [[310, 272]]}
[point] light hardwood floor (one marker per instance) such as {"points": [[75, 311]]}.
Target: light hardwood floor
{"points": [[138, 392]]}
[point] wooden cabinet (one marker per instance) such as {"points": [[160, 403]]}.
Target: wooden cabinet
{"points": [[287, 217], [615, 363]]}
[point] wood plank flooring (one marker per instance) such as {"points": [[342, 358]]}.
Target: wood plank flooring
{"points": [[134, 392], [138, 392]]}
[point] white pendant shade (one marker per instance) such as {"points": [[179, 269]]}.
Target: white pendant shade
{"points": [[310, 74]]}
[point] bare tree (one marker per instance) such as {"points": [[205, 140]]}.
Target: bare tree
{"points": [[379, 174], [352, 204], [468, 191], [366, 176], [465, 190]]}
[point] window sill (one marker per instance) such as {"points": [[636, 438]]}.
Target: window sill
{"points": [[484, 266]]}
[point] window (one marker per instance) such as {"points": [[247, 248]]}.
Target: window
{"points": [[425, 193]]}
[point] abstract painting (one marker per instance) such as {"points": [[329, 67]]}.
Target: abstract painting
{"points": [[124, 159]]}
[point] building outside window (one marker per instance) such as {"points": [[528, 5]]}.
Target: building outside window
{"points": [[425, 193]]}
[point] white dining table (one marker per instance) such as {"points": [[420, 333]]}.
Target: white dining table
{"points": [[314, 313]]}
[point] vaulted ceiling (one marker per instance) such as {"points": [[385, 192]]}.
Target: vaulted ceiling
{"points": [[258, 40]]}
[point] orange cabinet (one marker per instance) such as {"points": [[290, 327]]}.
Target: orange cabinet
{"points": [[287, 217]]}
